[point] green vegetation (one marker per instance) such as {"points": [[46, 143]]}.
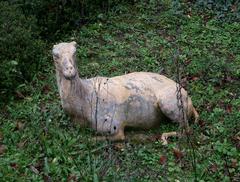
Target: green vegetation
{"points": [[21, 50], [38, 142]]}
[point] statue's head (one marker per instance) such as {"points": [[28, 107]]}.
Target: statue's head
{"points": [[64, 56]]}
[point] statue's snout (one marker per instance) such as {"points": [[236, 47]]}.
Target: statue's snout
{"points": [[69, 71]]}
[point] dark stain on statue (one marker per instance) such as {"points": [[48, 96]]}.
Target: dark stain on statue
{"points": [[131, 86], [135, 104], [157, 79]]}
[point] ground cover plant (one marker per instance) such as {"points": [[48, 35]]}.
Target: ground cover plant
{"points": [[38, 142]]}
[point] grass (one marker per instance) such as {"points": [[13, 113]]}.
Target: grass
{"points": [[38, 142]]}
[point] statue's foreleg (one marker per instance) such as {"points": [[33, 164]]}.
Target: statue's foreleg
{"points": [[119, 136]]}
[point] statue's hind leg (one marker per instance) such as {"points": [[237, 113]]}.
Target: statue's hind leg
{"points": [[196, 116], [171, 111]]}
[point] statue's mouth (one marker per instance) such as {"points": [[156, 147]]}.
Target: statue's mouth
{"points": [[70, 76]]}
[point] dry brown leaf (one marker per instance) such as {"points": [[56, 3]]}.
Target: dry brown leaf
{"points": [[158, 137], [2, 149], [1, 136], [19, 95], [234, 163], [72, 177], [236, 141], [14, 165], [234, 7], [213, 168], [21, 144], [19, 125], [46, 89], [178, 154], [202, 123], [163, 160], [47, 178], [33, 169], [119, 146], [195, 78], [229, 108]]}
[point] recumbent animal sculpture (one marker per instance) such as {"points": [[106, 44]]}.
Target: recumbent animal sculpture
{"points": [[108, 105]]}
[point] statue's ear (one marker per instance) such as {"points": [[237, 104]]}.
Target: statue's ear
{"points": [[74, 43], [55, 52]]}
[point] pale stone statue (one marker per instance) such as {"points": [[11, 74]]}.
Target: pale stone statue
{"points": [[108, 105]]}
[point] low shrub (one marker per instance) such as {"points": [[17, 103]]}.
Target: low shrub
{"points": [[20, 47]]}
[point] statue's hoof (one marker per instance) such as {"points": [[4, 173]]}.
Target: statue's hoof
{"points": [[164, 140]]}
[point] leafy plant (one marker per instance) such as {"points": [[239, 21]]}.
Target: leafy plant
{"points": [[21, 50]]}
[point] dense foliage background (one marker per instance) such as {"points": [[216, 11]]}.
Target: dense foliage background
{"points": [[28, 28], [38, 141]]}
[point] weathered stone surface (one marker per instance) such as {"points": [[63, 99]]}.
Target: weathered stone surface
{"points": [[139, 99]]}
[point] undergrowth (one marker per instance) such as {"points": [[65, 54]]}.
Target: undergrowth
{"points": [[38, 142]]}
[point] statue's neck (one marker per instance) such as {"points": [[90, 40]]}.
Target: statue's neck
{"points": [[70, 88]]}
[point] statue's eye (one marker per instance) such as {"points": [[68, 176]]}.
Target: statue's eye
{"points": [[56, 56]]}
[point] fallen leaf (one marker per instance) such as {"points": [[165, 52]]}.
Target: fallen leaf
{"points": [[229, 108], [33, 169], [234, 163], [203, 138], [2, 149], [177, 154], [14, 165], [206, 18], [154, 138], [72, 177], [19, 95], [1, 136], [169, 38], [194, 78], [47, 178], [41, 77], [202, 123], [209, 107], [19, 125], [21, 144], [217, 87], [213, 168], [119, 146], [158, 137], [234, 7], [39, 165], [43, 107], [46, 89], [229, 79], [113, 69], [188, 61], [236, 140], [188, 132], [163, 160]]}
